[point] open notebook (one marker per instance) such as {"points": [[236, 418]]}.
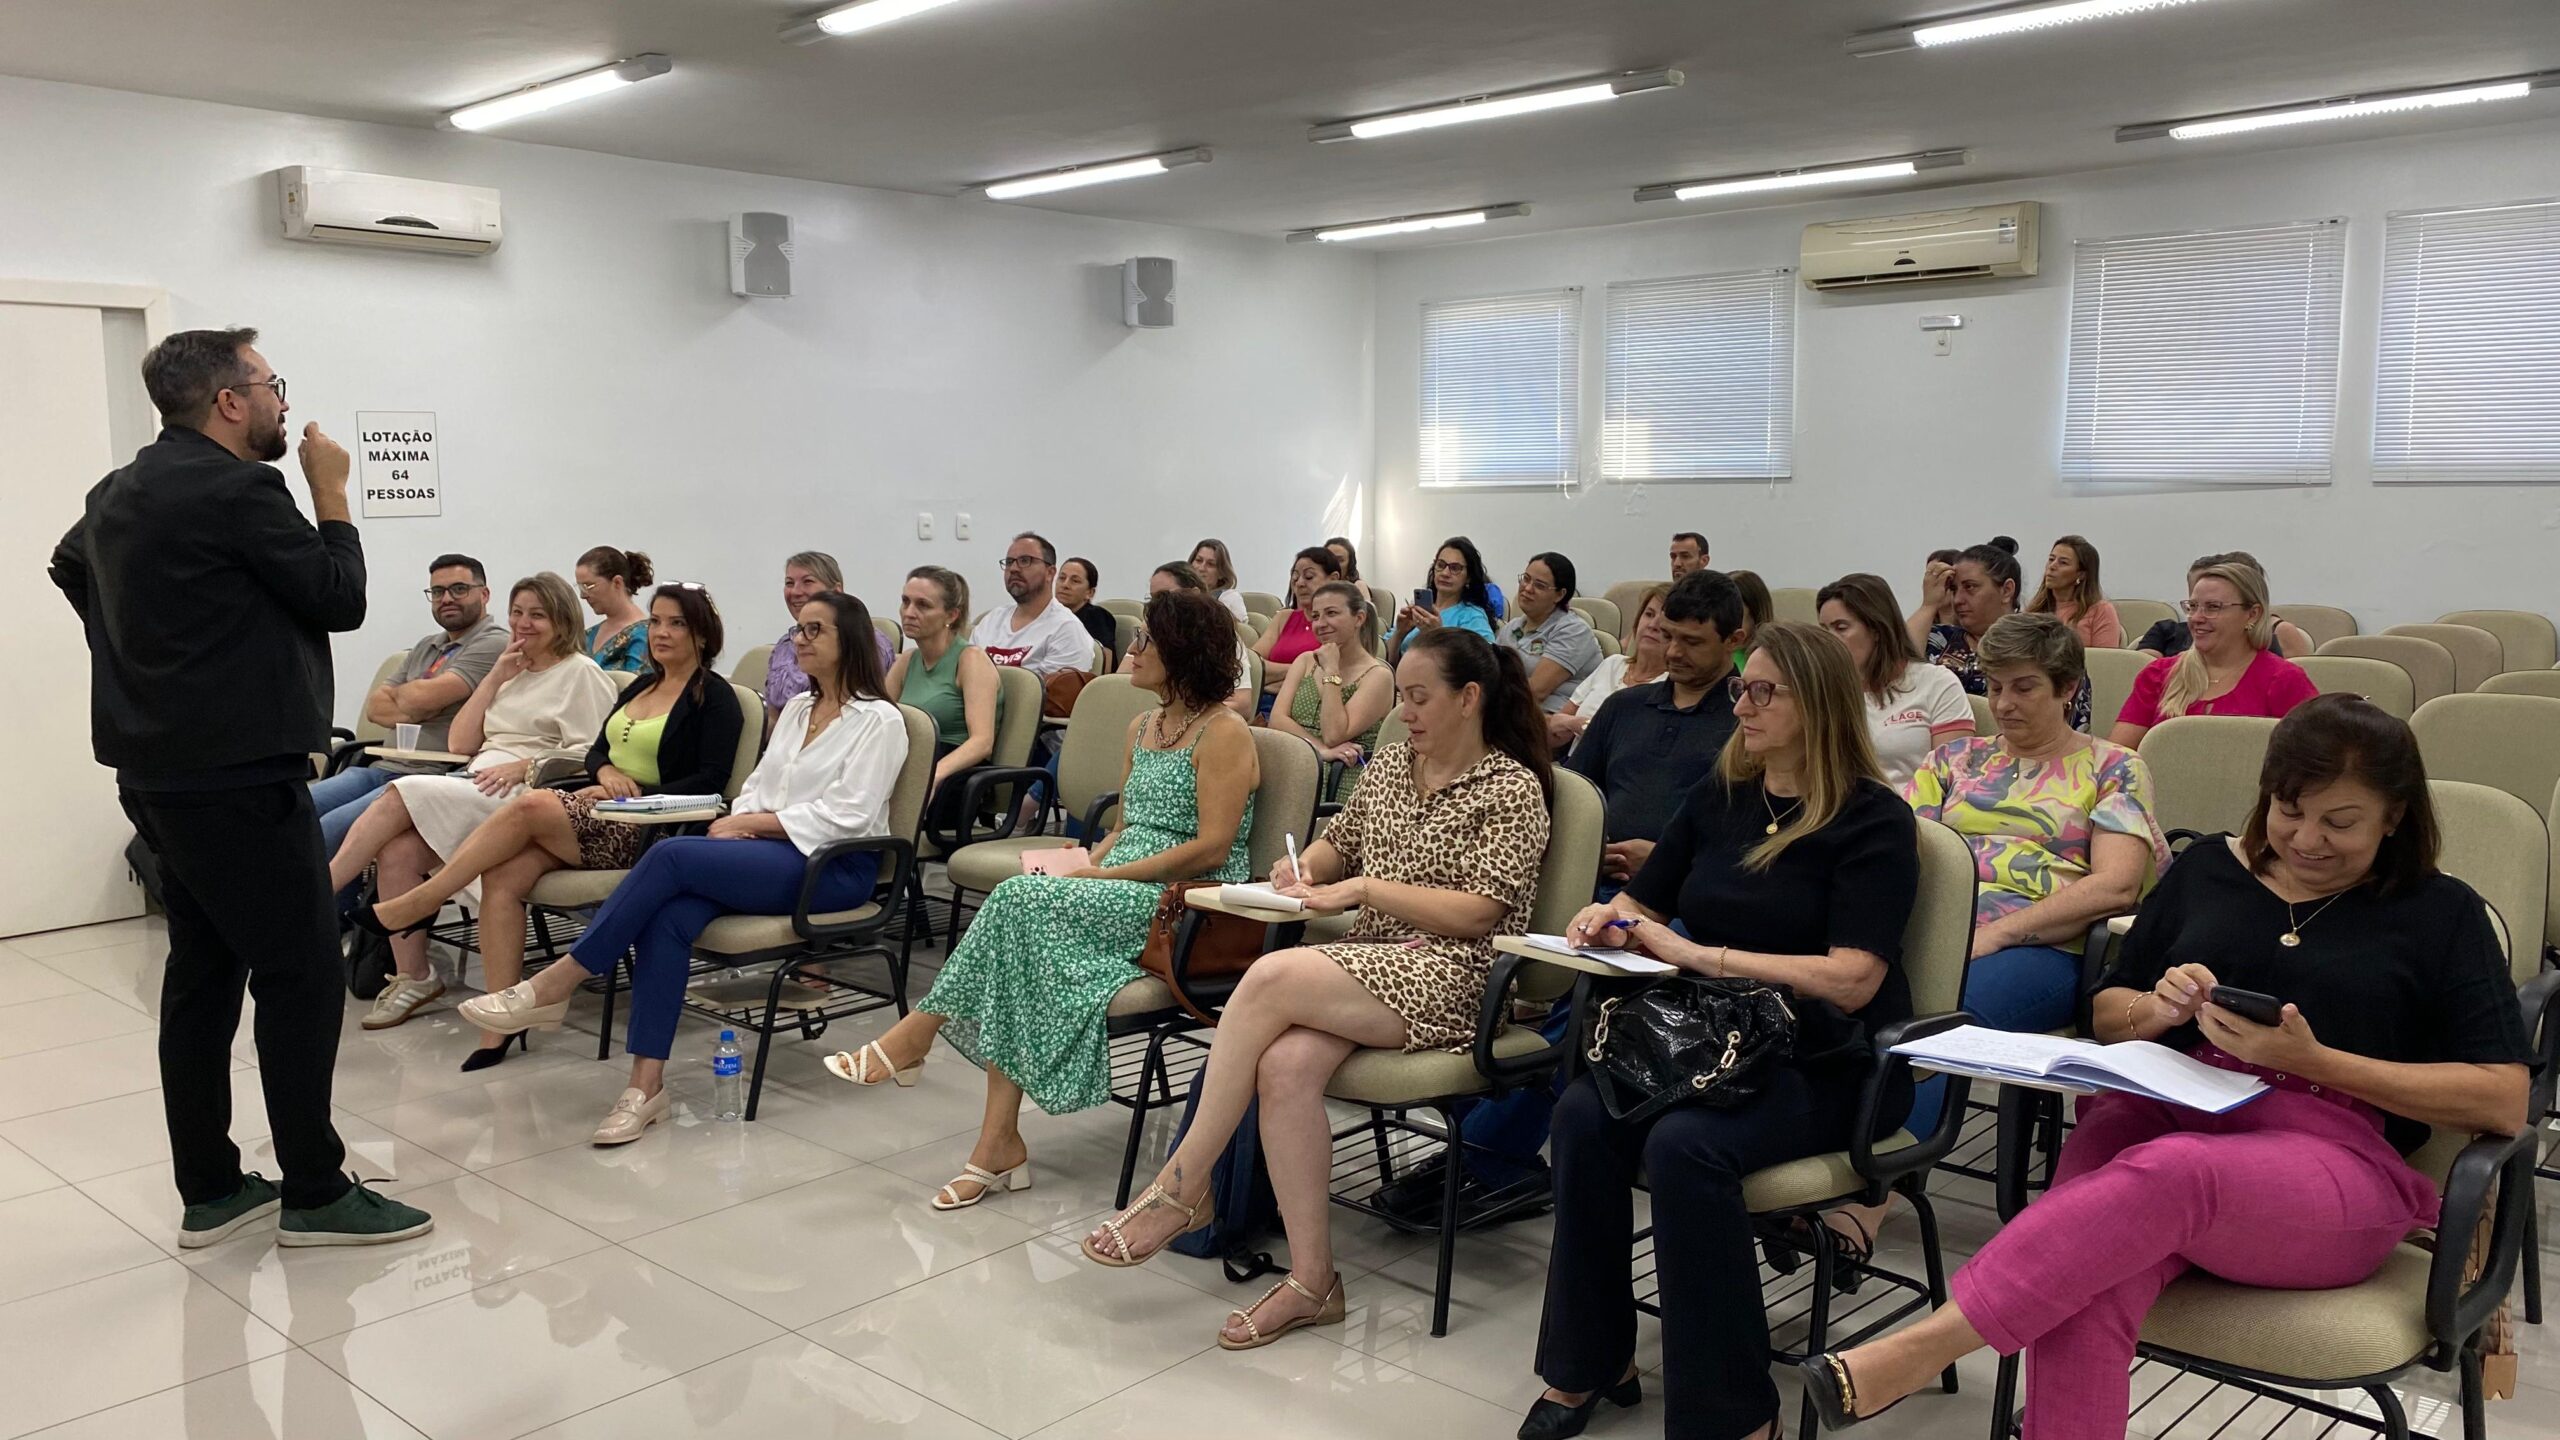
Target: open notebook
{"points": [[1624, 960], [2137, 1067], [1258, 896], [659, 804]]}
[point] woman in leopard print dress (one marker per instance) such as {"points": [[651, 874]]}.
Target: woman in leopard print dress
{"points": [[1439, 850]]}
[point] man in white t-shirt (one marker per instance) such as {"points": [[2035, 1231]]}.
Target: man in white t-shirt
{"points": [[1038, 634]]}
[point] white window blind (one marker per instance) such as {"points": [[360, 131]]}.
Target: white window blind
{"points": [[2209, 356], [1502, 390], [2468, 384], [1701, 378]]}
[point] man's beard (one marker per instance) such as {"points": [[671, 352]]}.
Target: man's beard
{"points": [[269, 444]]}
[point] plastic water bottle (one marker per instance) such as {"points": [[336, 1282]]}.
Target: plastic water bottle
{"points": [[727, 1076]]}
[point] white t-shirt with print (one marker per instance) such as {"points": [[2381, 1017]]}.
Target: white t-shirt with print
{"points": [[1053, 642], [1926, 697]]}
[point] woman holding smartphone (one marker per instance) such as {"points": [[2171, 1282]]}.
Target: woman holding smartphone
{"points": [[1459, 596]]}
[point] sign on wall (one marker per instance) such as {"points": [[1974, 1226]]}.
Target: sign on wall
{"points": [[396, 463]]}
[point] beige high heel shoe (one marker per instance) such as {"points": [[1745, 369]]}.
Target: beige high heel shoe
{"points": [[989, 1182], [869, 1066]]}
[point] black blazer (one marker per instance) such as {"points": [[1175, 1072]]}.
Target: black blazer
{"points": [[700, 743], [208, 600]]}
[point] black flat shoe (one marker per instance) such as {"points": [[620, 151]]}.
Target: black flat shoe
{"points": [[1834, 1394], [1785, 1250], [1554, 1420], [488, 1055], [365, 919]]}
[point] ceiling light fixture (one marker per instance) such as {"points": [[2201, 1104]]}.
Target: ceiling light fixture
{"points": [[1406, 224], [551, 94], [2007, 20], [1496, 107], [1075, 177], [855, 18], [2342, 107], [1848, 173]]}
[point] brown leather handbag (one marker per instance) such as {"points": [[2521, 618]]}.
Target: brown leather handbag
{"points": [[1222, 946]]}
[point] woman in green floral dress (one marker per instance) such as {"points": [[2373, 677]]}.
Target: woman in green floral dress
{"points": [[1027, 991]]}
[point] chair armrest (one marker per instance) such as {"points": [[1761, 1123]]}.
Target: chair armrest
{"points": [[901, 853], [2542, 1031], [1102, 805], [349, 751], [2495, 1169], [1207, 898], [2095, 951], [974, 785], [1941, 1137], [1493, 1016], [1329, 781]]}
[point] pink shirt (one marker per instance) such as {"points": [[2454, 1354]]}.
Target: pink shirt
{"points": [[1295, 638], [2271, 686]]}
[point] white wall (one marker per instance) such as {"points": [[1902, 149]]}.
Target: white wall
{"points": [[1899, 452], [596, 383]]}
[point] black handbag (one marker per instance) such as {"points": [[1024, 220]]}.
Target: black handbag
{"points": [[1689, 1040]]}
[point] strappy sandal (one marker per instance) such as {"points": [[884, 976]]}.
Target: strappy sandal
{"points": [[988, 1182], [1201, 1216], [869, 1066], [1834, 1394], [1850, 1258], [1328, 1311]]}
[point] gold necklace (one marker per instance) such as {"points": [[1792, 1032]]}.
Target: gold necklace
{"points": [[1168, 742], [2292, 935], [1772, 827]]}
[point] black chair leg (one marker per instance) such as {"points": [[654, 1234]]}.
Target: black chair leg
{"points": [[1817, 1334], [2004, 1399], [2533, 1265], [782, 974], [1449, 1174], [1387, 1151], [1931, 1256], [604, 1031], [2395, 1421], [1151, 1067]]}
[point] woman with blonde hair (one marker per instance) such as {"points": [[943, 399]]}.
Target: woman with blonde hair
{"points": [[1793, 864], [2232, 668], [1640, 661], [2070, 593], [1217, 570], [1338, 692]]}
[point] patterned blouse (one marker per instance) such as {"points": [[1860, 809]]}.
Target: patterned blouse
{"points": [[1953, 649], [627, 652], [2031, 823]]}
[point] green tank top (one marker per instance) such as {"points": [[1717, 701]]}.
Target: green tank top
{"points": [[935, 690], [632, 745], [1307, 707]]}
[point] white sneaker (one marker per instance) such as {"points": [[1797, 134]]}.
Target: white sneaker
{"points": [[401, 999]]}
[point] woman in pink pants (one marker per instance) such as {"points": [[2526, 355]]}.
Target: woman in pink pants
{"points": [[2398, 1017]]}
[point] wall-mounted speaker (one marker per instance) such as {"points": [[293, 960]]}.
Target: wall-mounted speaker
{"points": [[1146, 292], [759, 254]]}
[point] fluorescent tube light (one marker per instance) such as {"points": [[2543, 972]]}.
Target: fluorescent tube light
{"points": [[1496, 107], [1077, 176], [2344, 107], [855, 18], [1406, 224], [1850, 173], [551, 94], [2007, 20]]}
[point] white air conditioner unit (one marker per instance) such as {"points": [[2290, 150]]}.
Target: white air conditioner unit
{"points": [[350, 207], [1975, 242]]}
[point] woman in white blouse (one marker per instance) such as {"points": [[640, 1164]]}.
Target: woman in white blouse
{"points": [[825, 779], [1639, 662], [543, 700], [1913, 707]]}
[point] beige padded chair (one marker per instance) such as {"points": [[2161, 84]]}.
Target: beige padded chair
{"points": [[2385, 684], [1134, 609], [1101, 659], [1261, 603], [1796, 603], [2477, 655], [1608, 643], [2323, 623], [2500, 846], [995, 788], [1382, 603], [1604, 615], [2204, 771], [890, 631], [1090, 766], [1628, 594], [346, 743], [2137, 616], [2527, 639], [750, 671], [1983, 724], [2111, 676], [2506, 742], [2524, 682], [2429, 665], [1124, 630]]}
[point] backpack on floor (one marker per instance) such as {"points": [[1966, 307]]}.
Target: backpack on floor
{"points": [[369, 963], [1241, 1194]]}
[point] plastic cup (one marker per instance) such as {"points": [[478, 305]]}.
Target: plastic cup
{"points": [[404, 737]]}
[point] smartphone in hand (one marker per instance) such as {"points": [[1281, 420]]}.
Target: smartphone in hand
{"points": [[2248, 1004], [1424, 600]]}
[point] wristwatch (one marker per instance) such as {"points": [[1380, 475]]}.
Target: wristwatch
{"points": [[1333, 680]]}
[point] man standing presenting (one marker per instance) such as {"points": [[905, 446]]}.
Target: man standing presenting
{"points": [[208, 602]]}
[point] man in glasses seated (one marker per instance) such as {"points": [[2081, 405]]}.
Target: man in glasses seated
{"points": [[441, 671], [1036, 632]]}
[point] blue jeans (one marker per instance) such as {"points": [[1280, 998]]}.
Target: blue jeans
{"points": [[342, 797], [2026, 988], [679, 887]]}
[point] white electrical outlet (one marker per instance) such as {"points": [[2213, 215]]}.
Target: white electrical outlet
{"points": [[1942, 342], [960, 526], [924, 524]]}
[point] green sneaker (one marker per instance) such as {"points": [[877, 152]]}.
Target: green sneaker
{"points": [[219, 1220], [358, 1217]]}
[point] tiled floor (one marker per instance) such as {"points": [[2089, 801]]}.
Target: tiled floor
{"points": [[779, 1278]]}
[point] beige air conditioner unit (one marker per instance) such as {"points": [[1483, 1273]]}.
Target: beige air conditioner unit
{"points": [[1975, 242], [350, 207]]}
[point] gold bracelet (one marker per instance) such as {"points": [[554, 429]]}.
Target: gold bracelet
{"points": [[2129, 1007]]}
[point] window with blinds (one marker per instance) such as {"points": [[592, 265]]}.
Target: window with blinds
{"points": [[1502, 390], [1701, 378], [2467, 387], [2210, 356]]}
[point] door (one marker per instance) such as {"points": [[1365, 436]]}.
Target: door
{"points": [[73, 409]]}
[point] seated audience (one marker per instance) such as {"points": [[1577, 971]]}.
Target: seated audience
{"points": [[1292, 635], [2172, 637], [1791, 864], [1036, 633], [674, 731], [1217, 570], [1913, 707], [2398, 1018], [1688, 555], [2070, 593], [2230, 668], [542, 700], [426, 691], [1173, 576], [1651, 743], [1759, 607], [1350, 558], [1556, 644], [1638, 662], [1439, 850], [607, 581], [1458, 596], [1339, 693], [1077, 580], [1971, 595], [805, 576], [946, 677], [827, 777]]}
